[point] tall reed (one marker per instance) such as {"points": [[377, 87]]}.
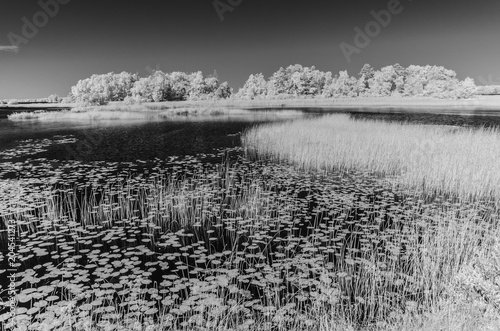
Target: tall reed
{"points": [[441, 159]]}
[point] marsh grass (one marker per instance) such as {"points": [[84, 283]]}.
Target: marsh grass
{"points": [[247, 245], [139, 113], [122, 110], [435, 159], [406, 103]]}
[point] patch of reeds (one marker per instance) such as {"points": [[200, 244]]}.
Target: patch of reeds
{"points": [[435, 159], [404, 103], [149, 112]]}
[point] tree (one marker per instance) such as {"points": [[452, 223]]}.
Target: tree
{"points": [[307, 82], [161, 86], [224, 91], [180, 85], [467, 89], [440, 82], [367, 72], [361, 86], [54, 98], [399, 69], [296, 80], [101, 89], [415, 81], [255, 87], [383, 82], [211, 86], [91, 91], [197, 86], [155, 88], [342, 85], [279, 83]]}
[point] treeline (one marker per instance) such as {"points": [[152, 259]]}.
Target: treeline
{"points": [[488, 90], [295, 81], [394, 80], [54, 98], [159, 86]]}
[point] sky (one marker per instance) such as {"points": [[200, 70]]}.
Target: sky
{"points": [[237, 38]]}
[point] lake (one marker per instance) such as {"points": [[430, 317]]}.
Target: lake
{"points": [[129, 140], [169, 213]]}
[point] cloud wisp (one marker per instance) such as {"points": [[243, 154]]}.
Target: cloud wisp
{"points": [[14, 49]]}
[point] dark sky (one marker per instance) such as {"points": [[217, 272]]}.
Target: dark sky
{"points": [[91, 36]]}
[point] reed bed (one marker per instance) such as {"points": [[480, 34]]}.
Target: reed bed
{"points": [[249, 245], [436, 159], [145, 112], [407, 103]]}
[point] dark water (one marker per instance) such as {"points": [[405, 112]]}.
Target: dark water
{"points": [[452, 116], [125, 140], [478, 119], [131, 140]]}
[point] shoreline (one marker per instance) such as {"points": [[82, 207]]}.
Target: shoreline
{"points": [[114, 110]]}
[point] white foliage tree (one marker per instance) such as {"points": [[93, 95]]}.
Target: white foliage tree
{"points": [[255, 87]]}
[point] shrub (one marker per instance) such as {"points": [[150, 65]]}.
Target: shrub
{"points": [[341, 85], [255, 87], [488, 90], [297, 80], [179, 86], [101, 89], [54, 98]]}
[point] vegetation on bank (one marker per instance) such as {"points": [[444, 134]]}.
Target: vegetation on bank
{"points": [[54, 98], [294, 81], [445, 160], [145, 112], [393, 80], [158, 87], [488, 90], [123, 111], [152, 110]]}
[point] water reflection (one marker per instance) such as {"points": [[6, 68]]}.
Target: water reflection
{"points": [[148, 138], [129, 140]]}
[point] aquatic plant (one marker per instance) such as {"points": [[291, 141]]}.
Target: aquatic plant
{"points": [[249, 245], [441, 159]]}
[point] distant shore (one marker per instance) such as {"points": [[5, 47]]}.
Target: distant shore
{"points": [[117, 110], [483, 102]]}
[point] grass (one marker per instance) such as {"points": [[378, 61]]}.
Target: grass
{"points": [[118, 110], [458, 163], [407, 103], [435, 159], [248, 246], [140, 112], [114, 113]]}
